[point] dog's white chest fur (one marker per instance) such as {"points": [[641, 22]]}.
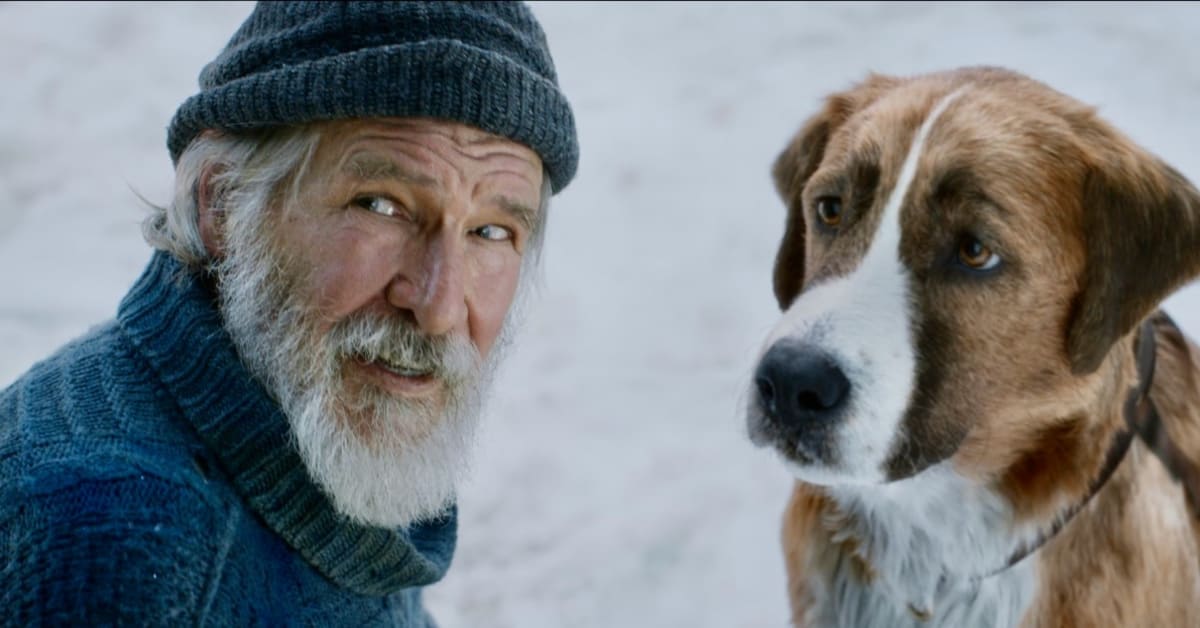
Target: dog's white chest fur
{"points": [[931, 541], [996, 602]]}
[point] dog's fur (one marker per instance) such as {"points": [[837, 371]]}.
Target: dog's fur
{"points": [[982, 403]]}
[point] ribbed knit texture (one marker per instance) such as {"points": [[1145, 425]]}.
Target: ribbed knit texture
{"points": [[486, 64], [145, 478]]}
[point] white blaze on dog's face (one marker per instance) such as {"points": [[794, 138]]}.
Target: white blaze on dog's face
{"points": [[853, 329], [933, 278]]}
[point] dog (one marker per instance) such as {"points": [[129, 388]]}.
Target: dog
{"points": [[989, 420]]}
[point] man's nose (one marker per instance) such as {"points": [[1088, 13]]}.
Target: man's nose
{"points": [[435, 290]]}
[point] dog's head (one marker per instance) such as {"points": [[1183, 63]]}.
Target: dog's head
{"points": [[963, 252]]}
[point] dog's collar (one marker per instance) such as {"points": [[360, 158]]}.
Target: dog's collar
{"points": [[1141, 418], [1149, 428]]}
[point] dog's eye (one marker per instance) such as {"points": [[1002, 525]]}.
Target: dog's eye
{"points": [[829, 210], [976, 255]]}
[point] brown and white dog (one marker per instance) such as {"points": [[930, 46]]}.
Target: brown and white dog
{"points": [[968, 260]]}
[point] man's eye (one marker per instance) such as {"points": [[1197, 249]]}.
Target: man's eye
{"points": [[495, 233], [377, 204]]}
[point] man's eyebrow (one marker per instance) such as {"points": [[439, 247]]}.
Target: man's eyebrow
{"points": [[365, 166], [374, 167], [519, 211]]}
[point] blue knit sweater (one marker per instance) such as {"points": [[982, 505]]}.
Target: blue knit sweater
{"points": [[146, 479]]}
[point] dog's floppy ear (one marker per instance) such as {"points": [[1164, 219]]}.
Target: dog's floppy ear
{"points": [[797, 163], [792, 169], [1141, 223]]}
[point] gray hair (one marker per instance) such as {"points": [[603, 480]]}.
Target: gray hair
{"points": [[250, 171]]}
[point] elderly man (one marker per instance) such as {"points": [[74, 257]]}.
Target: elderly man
{"points": [[271, 429]]}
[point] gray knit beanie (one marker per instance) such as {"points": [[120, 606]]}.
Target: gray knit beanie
{"points": [[481, 63]]}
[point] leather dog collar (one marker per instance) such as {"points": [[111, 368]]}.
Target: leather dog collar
{"points": [[1141, 418]]}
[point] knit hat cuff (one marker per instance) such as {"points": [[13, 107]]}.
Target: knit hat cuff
{"points": [[437, 78]]}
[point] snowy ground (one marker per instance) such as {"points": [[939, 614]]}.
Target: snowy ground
{"points": [[614, 485]]}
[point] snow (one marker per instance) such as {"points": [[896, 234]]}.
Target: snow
{"points": [[614, 484]]}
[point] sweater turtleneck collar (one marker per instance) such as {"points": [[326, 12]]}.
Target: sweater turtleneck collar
{"points": [[173, 320]]}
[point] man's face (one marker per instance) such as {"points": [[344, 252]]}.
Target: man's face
{"points": [[370, 301], [417, 219]]}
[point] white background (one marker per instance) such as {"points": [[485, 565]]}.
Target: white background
{"points": [[614, 484]]}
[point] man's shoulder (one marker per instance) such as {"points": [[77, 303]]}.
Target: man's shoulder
{"points": [[116, 543], [72, 378], [90, 429], [127, 546], [109, 510], [92, 402]]}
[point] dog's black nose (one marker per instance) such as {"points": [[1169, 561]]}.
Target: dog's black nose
{"points": [[797, 384]]}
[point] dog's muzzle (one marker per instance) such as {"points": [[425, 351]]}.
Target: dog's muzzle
{"points": [[800, 393]]}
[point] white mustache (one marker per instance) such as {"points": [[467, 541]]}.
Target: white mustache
{"points": [[399, 342]]}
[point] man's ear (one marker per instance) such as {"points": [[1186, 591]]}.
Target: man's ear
{"points": [[1141, 222], [210, 216], [798, 161]]}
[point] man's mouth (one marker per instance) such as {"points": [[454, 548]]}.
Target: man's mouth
{"points": [[399, 367]]}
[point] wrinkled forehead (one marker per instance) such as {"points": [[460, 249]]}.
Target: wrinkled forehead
{"points": [[425, 151]]}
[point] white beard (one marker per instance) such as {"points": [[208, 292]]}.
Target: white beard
{"points": [[383, 460]]}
